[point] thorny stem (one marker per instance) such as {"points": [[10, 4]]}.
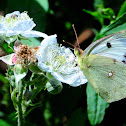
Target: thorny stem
{"points": [[19, 105]]}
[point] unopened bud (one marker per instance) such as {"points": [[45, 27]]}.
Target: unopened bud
{"points": [[54, 86]]}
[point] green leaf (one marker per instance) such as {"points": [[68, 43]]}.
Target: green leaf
{"points": [[44, 4], [122, 9], [98, 3], [33, 42], [118, 25], [4, 123], [95, 14], [102, 13], [96, 106]]}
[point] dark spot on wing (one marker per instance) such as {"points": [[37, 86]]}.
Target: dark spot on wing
{"points": [[109, 45], [76, 64], [124, 55], [124, 61]]}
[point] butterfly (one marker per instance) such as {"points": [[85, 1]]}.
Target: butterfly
{"points": [[104, 65]]}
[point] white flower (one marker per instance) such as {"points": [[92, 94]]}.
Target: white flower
{"points": [[60, 62], [17, 23]]}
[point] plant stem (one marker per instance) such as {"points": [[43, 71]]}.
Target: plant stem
{"points": [[19, 105]]}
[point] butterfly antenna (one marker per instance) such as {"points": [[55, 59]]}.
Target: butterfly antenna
{"points": [[76, 35], [69, 43]]}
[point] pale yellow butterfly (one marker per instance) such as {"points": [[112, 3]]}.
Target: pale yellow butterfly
{"points": [[104, 65]]}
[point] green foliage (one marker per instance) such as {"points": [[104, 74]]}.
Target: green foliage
{"points": [[122, 10], [101, 12], [118, 25], [95, 106], [33, 42], [4, 123]]}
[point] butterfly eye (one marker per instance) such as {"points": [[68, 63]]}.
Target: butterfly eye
{"points": [[109, 45], [14, 16]]}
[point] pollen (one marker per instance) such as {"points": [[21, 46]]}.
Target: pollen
{"points": [[25, 55]]}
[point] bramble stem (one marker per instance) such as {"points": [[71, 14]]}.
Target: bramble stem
{"points": [[19, 105]]}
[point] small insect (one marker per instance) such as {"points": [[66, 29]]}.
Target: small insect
{"points": [[103, 55], [14, 16]]}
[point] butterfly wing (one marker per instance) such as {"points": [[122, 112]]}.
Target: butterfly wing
{"points": [[106, 75], [113, 46]]}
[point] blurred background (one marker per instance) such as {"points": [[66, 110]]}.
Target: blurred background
{"points": [[68, 108]]}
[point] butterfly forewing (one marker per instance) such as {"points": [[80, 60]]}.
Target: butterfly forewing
{"points": [[113, 46]]}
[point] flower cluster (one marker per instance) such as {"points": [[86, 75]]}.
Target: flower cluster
{"points": [[49, 57]]}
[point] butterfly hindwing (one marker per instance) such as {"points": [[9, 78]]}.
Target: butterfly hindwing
{"points": [[106, 75]]}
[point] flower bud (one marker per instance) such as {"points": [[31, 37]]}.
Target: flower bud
{"points": [[54, 86]]}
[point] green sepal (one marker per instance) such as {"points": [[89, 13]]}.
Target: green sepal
{"points": [[10, 39], [10, 75], [19, 72]]}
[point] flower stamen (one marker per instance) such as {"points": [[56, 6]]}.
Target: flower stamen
{"points": [[25, 55]]}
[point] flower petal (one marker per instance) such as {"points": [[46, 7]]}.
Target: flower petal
{"points": [[34, 33], [48, 41], [75, 79], [24, 25], [8, 59]]}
